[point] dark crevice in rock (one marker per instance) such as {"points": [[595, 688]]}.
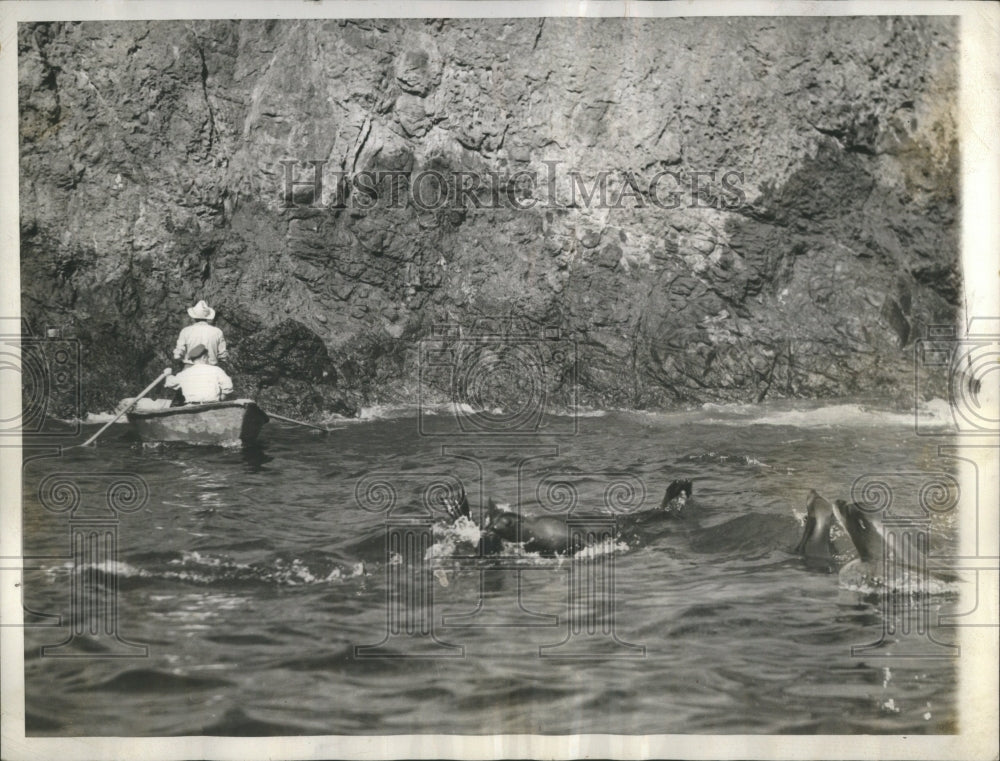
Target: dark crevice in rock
{"points": [[151, 177], [204, 92]]}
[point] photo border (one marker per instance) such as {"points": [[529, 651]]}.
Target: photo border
{"points": [[979, 117]]}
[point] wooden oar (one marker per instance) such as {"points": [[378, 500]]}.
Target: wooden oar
{"points": [[299, 422], [145, 391]]}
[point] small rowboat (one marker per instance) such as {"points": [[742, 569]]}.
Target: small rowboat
{"points": [[239, 420]]}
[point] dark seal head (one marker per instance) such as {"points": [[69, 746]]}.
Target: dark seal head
{"points": [[545, 534], [882, 558], [867, 573], [865, 529], [816, 546], [501, 522], [499, 526], [677, 495]]}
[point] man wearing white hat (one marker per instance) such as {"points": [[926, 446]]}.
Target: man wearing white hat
{"points": [[201, 333]]}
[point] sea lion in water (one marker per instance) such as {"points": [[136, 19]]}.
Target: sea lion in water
{"points": [[676, 496], [865, 530], [816, 545], [882, 560], [457, 507], [546, 534], [549, 534], [864, 527], [873, 546]]}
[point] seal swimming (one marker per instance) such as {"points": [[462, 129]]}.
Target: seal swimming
{"points": [[546, 534], [816, 545], [880, 561], [885, 560]]}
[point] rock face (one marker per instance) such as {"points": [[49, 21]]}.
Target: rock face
{"points": [[702, 209]]}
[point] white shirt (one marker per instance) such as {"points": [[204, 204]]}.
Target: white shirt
{"points": [[201, 383], [208, 336]]}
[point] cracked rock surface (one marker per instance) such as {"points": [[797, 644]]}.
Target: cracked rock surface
{"points": [[779, 215]]}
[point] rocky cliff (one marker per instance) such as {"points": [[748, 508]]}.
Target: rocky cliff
{"points": [[699, 209]]}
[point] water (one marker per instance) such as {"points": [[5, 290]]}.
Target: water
{"points": [[251, 576]]}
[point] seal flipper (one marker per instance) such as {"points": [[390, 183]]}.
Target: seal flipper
{"points": [[458, 506]]}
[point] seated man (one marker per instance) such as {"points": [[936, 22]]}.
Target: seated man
{"points": [[201, 382]]}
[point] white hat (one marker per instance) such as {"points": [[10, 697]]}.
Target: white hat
{"points": [[201, 311]]}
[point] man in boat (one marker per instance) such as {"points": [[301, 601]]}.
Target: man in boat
{"points": [[201, 333], [201, 382]]}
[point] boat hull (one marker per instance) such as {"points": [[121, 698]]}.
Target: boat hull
{"points": [[237, 421]]}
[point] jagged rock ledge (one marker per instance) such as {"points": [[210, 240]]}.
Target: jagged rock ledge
{"points": [[816, 245]]}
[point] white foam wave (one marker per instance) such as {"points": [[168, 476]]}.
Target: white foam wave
{"points": [[117, 567], [199, 559], [856, 415], [534, 557], [934, 414], [95, 418], [735, 459], [582, 413], [387, 412], [453, 409], [206, 569], [448, 537], [857, 576], [607, 547], [733, 408]]}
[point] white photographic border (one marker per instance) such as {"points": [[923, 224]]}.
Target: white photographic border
{"points": [[979, 121]]}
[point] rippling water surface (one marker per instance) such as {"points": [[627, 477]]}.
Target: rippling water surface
{"points": [[252, 576]]}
